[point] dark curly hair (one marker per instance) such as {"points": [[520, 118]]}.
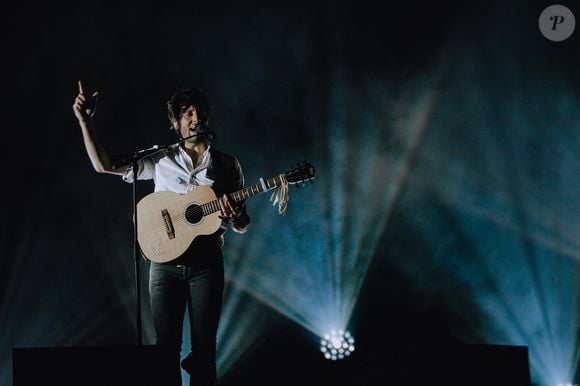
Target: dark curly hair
{"points": [[180, 100]]}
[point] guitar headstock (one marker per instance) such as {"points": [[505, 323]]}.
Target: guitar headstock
{"points": [[301, 174]]}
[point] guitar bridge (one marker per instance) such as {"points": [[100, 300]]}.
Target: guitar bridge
{"points": [[168, 224]]}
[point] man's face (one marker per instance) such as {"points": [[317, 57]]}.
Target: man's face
{"points": [[188, 120]]}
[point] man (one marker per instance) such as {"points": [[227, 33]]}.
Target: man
{"points": [[196, 278]]}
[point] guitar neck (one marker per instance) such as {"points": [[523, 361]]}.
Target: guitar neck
{"points": [[245, 193]]}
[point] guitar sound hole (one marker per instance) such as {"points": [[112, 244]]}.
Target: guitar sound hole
{"points": [[193, 214]]}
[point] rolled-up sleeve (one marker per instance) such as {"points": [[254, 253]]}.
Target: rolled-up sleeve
{"points": [[145, 171]]}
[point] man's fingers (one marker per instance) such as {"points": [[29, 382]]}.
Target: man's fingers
{"points": [[79, 102], [222, 206], [231, 208], [226, 207], [81, 91]]}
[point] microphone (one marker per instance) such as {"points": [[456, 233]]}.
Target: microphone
{"points": [[202, 131]]}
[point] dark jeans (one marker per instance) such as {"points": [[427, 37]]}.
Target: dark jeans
{"points": [[197, 283]]}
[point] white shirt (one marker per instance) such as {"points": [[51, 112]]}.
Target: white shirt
{"points": [[172, 170]]}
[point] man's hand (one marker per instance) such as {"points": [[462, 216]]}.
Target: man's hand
{"points": [[228, 210], [84, 107]]}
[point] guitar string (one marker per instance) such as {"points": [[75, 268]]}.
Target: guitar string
{"points": [[195, 210], [191, 211], [198, 209]]}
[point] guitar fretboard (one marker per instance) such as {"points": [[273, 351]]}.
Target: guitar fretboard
{"points": [[244, 194]]}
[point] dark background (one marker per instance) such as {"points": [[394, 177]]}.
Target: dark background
{"points": [[497, 163]]}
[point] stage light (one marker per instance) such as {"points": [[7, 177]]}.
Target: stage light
{"points": [[489, 200], [497, 216], [337, 345], [312, 271]]}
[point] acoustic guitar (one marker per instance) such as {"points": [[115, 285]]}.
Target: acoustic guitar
{"points": [[168, 222]]}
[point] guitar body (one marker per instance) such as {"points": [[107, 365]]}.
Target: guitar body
{"points": [[167, 222]]}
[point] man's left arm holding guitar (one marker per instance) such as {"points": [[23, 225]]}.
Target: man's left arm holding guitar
{"points": [[237, 213]]}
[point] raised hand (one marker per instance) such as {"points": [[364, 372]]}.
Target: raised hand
{"points": [[84, 107]]}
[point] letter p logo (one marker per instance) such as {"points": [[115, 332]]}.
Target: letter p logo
{"points": [[556, 23], [557, 20]]}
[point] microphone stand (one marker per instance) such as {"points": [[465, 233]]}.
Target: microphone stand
{"points": [[126, 160]]}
